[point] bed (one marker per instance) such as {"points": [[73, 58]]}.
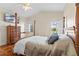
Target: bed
{"points": [[38, 46]]}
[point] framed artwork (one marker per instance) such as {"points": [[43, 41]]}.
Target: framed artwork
{"points": [[10, 18]]}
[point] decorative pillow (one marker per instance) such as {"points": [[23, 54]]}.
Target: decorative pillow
{"points": [[53, 38]]}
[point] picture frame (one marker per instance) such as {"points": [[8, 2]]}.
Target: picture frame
{"points": [[10, 18]]}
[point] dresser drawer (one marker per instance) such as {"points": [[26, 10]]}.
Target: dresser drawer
{"points": [[11, 34]]}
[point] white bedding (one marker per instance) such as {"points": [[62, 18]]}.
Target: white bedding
{"points": [[20, 45]]}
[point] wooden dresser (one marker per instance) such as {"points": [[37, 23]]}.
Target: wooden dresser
{"points": [[11, 34]]}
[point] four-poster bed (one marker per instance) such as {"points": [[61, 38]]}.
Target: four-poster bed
{"points": [[38, 44], [35, 43]]}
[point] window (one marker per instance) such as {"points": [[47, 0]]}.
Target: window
{"points": [[58, 25], [28, 28]]}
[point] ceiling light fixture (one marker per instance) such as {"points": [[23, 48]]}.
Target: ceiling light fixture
{"points": [[27, 6]]}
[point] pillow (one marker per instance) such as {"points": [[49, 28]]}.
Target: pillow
{"points": [[53, 38]]}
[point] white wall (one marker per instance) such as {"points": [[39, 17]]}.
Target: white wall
{"points": [[43, 21], [70, 13], [3, 28]]}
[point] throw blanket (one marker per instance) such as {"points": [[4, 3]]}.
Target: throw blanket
{"points": [[64, 47]]}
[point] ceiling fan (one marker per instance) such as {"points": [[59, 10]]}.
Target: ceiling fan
{"points": [[26, 6]]}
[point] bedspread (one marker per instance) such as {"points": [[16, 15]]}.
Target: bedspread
{"points": [[63, 47]]}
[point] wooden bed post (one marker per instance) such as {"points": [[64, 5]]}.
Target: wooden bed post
{"points": [[63, 24], [16, 37], [34, 27], [77, 28]]}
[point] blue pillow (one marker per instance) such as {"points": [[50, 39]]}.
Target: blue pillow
{"points": [[53, 38]]}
